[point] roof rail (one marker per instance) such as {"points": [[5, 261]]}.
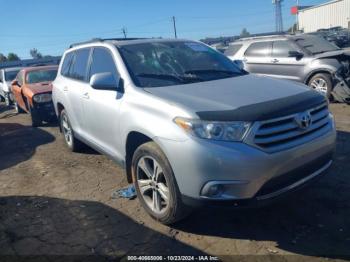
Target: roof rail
{"points": [[94, 40], [261, 37]]}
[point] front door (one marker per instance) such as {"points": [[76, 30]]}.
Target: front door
{"points": [[101, 107], [17, 91]]}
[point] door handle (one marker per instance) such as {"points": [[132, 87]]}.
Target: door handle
{"points": [[65, 89], [86, 95], [275, 60]]}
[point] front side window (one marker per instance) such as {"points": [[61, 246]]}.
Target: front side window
{"points": [[102, 62], [78, 69], [259, 49], [41, 76], [232, 50], [165, 63], [282, 48], [20, 78]]}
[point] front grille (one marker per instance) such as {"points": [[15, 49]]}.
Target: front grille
{"points": [[283, 133]]}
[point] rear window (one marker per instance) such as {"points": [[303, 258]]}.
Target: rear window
{"points": [[259, 49], [78, 69], [232, 50]]}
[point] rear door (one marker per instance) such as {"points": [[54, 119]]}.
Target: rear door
{"points": [[285, 66], [75, 86], [101, 107], [257, 58]]}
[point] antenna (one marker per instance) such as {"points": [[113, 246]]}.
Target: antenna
{"points": [[278, 15]]}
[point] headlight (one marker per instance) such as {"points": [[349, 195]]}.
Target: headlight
{"points": [[42, 98], [226, 131]]}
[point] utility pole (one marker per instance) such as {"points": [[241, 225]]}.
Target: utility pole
{"points": [[174, 24], [124, 31], [297, 17]]}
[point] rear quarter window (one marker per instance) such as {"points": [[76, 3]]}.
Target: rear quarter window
{"points": [[232, 50], [66, 63]]}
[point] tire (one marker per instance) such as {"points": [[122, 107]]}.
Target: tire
{"points": [[18, 110], [322, 83], [73, 144], [35, 117], [162, 184]]}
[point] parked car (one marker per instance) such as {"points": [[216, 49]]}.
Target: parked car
{"points": [[6, 76], [32, 91], [188, 125], [307, 59]]}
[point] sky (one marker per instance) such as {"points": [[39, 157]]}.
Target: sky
{"points": [[51, 26]]}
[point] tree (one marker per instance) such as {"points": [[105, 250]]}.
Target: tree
{"points": [[244, 33], [12, 57], [35, 53], [3, 58]]}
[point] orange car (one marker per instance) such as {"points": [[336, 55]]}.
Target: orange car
{"points": [[32, 91]]}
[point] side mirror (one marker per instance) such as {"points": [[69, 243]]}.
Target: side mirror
{"points": [[295, 54], [15, 83], [239, 64], [105, 81]]}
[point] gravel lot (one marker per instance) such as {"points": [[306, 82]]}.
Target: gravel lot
{"points": [[54, 202]]}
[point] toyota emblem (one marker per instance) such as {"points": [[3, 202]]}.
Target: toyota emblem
{"points": [[303, 120]]}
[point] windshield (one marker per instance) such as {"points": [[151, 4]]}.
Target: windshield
{"points": [[41, 76], [315, 44], [10, 75], [173, 63]]}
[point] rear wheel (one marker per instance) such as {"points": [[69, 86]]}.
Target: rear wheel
{"points": [[155, 184], [322, 83], [73, 144]]}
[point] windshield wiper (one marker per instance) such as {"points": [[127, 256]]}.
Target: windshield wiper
{"points": [[161, 76], [208, 71]]}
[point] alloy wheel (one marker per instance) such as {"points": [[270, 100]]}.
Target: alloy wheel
{"points": [[67, 130], [152, 184], [320, 85]]}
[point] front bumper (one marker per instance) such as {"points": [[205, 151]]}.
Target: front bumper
{"points": [[45, 111], [251, 173]]}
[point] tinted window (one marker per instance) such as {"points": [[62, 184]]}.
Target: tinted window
{"points": [[232, 50], [102, 61], [66, 63], [78, 68], [282, 48], [259, 49], [10, 75]]}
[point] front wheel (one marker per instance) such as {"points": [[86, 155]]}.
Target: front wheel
{"points": [[35, 117], [322, 83], [155, 184], [7, 99]]}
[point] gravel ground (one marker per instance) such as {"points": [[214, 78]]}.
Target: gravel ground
{"points": [[54, 202]]}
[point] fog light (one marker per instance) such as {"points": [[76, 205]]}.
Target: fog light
{"points": [[215, 190]]}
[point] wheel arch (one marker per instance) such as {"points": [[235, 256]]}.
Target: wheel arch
{"points": [[315, 72], [133, 141]]}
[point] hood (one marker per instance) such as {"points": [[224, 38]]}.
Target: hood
{"points": [[333, 54], [245, 98], [37, 88]]}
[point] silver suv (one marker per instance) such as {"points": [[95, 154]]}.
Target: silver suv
{"points": [[188, 125], [308, 59]]}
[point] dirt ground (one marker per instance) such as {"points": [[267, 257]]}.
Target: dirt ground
{"points": [[54, 202]]}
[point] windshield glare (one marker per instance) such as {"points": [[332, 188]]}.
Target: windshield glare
{"points": [[315, 44], [41, 76], [11, 75], [173, 63]]}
